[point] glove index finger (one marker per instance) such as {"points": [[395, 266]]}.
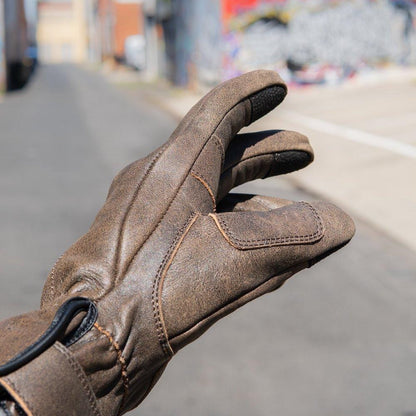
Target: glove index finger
{"points": [[225, 110], [197, 147]]}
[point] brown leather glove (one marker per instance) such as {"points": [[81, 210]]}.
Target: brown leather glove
{"points": [[161, 262]]}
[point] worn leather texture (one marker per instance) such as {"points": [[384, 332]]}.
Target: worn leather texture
{"points": [[171, 252]]}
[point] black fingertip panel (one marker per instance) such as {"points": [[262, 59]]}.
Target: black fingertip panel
{"points": [[266, 100]]}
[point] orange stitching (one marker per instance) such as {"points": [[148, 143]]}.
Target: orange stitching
{"points": [[207, 187], [165, 271], [120, 359], [161, 330], [214, 217], [78, 371]]}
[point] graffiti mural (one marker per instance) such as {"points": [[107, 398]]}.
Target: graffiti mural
{"points": [[316, 41], [307, 41]]}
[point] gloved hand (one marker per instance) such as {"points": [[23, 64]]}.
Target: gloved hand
{"points": [[162, 262]]}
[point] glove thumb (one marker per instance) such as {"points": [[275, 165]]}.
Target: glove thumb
{"points": [[293, 234]]}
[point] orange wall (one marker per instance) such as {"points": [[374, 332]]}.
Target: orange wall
{"points": [[128, 21]]}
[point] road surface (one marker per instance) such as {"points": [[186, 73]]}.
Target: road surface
{"points": [[337, 340]]}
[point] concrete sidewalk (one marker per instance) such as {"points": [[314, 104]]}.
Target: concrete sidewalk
{"points": [[363, 134]]}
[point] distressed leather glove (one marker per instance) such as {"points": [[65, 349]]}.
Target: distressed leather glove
{"points": [[162, 262]]}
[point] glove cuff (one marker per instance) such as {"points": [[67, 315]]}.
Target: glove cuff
{"points": [[52, 384]]}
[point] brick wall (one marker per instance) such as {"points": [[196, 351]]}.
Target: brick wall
{"points": [[128, 21]]}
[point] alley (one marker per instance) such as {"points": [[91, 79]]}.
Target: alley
{"points": [[338, 339]]}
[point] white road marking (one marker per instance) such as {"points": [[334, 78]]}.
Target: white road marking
{"points": [[399, 120], [354, 135]]}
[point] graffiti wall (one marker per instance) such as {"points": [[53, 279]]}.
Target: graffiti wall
{"points": [[307, 41], [316, 41]]}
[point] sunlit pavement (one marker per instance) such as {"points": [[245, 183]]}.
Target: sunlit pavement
{"points": [[365, 143], [338, 339]]}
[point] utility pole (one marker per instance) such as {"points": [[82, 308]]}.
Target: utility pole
{"points": [[93, 50], [150, 32], [2, 50]]}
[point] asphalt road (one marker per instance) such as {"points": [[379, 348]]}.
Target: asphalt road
{"points": [[337, 340]]}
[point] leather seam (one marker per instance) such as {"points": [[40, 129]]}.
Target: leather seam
{"points": [[161, 330], [78, 371], [52, 277], [128, 209], [121, 360], [204, 182], [165, 270], [272, 241]]}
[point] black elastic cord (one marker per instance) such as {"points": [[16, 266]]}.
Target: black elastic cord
{"points": [[56, 331]]}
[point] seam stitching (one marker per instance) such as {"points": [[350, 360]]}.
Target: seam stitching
{"points": [[204, 182], [268, 242], [121, 361], [162, 336], [165, 271], [129, 207], [52, 276], [78, 371]]}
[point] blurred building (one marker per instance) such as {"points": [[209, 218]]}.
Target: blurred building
{"points": [[114, 21], [62, 32]]}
